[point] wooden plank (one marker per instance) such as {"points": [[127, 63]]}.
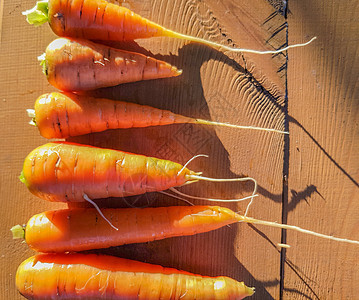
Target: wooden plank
{"points": [[324, 157], [226, 87]]}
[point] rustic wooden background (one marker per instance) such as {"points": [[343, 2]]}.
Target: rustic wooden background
{"points": [[308, 179]]}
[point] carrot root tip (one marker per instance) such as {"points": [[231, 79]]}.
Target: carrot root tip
{"points": [[18, 232], [37, 15]]}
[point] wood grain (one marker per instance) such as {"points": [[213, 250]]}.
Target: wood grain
{"points": [[240, 89], [324, 157]]}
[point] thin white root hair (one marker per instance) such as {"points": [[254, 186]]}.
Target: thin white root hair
{"points": [[99, 211], [132, 205], [199, 177], [177, 197], [135, 201], [214, 123], [228, 48], [254, 194], [210, 199], [128, 203], [186, 164], [296, 228], [249, 204]]}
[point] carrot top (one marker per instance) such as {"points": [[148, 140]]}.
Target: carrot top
{"points": [[22, 177], [42, 59], [18, 232], [39, 14]]}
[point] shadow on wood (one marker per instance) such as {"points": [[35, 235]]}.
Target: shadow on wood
{"points": [[302, 277], [185, 95], [325, 152]]}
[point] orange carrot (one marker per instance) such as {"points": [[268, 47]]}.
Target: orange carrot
{"points": [[101, 20], [62, 115], [90, 276], [67, 171], [64, 171], [93, 20], [77, 65], [80, 229]]}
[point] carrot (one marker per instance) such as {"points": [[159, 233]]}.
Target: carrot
{"points": [[62, 115], [77, 65], [62, 171], [91, 276], [80, 229], [67, 171], [101, 20]]}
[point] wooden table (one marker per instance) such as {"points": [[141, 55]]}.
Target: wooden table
{"points": [[309, 178]]}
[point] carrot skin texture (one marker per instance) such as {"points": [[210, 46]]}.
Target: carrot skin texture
{"points": [[62, 171], [71, 230], [99, 20], [61, 115], [80, 65], [81, 276]]}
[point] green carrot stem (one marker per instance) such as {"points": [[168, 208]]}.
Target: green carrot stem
{"points": [[42, 60], [18, 232], [38, 15], [22, 177]]}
